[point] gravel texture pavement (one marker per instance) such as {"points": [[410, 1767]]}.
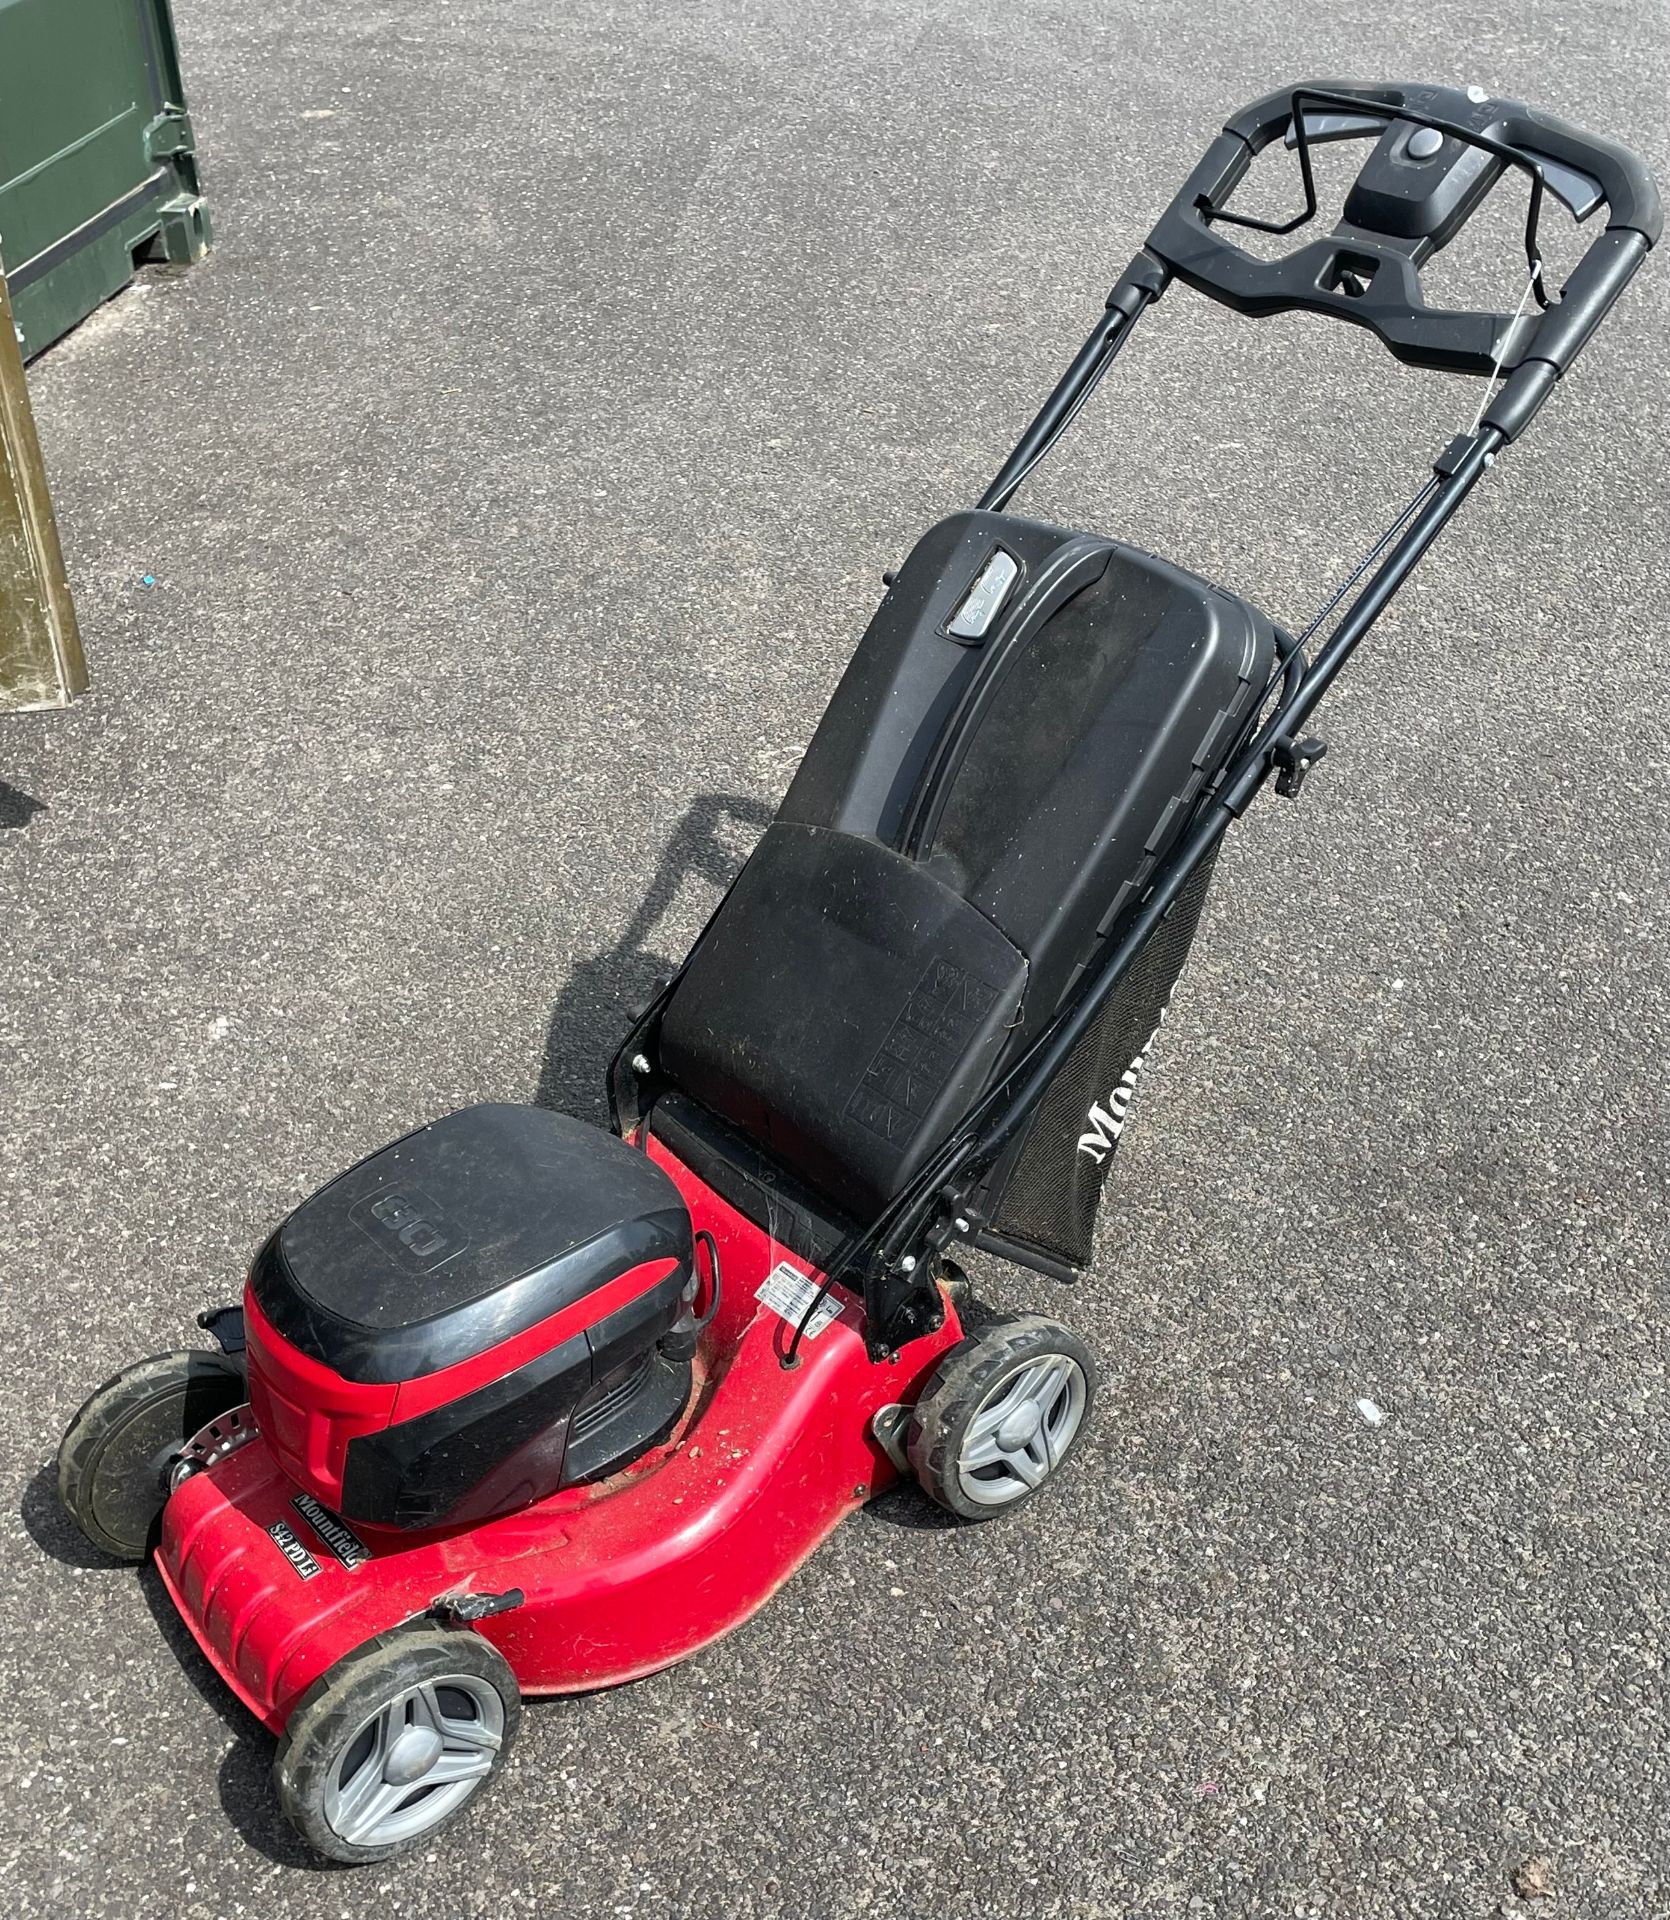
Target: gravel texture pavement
{"points": [[515, 478]]}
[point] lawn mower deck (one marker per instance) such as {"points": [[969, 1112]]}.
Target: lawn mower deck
{"points": [[596, 1583]]}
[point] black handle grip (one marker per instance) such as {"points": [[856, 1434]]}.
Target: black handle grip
{"points": [[1372, 278]]}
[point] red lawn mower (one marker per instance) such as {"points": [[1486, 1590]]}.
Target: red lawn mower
{"points": [[520, 1406]]}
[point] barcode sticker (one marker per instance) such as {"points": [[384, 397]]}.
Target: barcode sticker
{"points": [[789, 1292]]}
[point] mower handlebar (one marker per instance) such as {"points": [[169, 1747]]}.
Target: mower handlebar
{"points": [[1620, 177], [1369, 273]]}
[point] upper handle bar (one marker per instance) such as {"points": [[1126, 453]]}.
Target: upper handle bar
{"points": [[1372, 277]]}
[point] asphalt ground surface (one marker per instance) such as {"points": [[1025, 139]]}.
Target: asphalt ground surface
{"points": [[515, 479]]}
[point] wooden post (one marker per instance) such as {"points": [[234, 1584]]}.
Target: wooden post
{"points": [[41, 664]]}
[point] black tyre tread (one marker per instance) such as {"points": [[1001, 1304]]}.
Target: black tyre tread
{"points": [[338, 1703], [961, 1381], [103, 1413]]}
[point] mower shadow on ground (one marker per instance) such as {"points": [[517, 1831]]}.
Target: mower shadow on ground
{"points": [[907, 1507], [17, 808], [246, 1793], [603, 995], [245, 1786], [52, 1529]]}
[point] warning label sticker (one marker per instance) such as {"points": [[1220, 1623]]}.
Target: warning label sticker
{"points": [[789, 1293]]}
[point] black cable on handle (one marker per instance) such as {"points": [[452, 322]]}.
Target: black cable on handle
{"points": [[1138, 287], [1369, 558]]}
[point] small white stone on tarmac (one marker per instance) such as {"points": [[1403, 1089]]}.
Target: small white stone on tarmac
{"points": [[1371, 1413]]}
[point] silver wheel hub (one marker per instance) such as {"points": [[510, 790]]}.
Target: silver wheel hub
{"points": [[1022, 1429], [415, 1761], [413, 1754], [1019, 1426]]}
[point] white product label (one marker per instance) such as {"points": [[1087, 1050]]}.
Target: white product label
{"points": [[789, 1293]]}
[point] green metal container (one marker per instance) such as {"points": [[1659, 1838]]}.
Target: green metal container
{"points": [[97, 173]]}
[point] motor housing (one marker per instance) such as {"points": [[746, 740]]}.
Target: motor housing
{"points": [[474, 1316]]}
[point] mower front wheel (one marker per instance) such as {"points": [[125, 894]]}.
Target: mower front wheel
{"points": [[1002, 1412], [114, 1459], [395, 1741]]}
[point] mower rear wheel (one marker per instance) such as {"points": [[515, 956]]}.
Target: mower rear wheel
{"points": [[1002, 1412], [395, 1741], [114, 1458]]}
